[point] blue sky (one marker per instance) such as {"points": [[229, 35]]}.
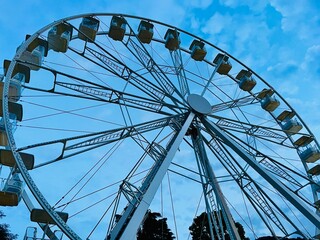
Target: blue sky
{"points": [[278, 39]]}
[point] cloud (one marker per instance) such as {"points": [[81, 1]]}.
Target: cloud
{"points": [[251, 4], [300, 18], [284, 69], [217, 23], [311, 61], [245, 36], [287, 88], [198, 3]]}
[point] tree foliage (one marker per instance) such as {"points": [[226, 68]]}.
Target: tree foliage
{"points": [[154, 227], [200, 229], [5, 233]]}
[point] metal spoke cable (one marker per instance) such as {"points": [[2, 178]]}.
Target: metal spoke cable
{"points": [[276, 209], [183, 175], [302, 224], [78, 68], [98, 168], [172, 206], [103, 215], [97, 202], [285, 159], [94, 204], [105, 158], [126, 109], [54, 129], [197, 210], [245, 222], [91, 73], [60, 111], [298, 172], [101, 218], [111, 44], [285, 200], [102, 189], [259, 117], [248, 215], [121, 56]]}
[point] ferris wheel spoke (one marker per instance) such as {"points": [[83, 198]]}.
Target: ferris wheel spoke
{"points": [[138, 50], [262, 203], [180, 72], [82, 143], [279, 186], [261, 132], [221, 62], [236, 103], [120, 69], [288, 174], [93, 91], [109, 95], [295, 180]]}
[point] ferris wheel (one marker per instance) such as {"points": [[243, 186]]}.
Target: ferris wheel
{"points": [[107, 115]]}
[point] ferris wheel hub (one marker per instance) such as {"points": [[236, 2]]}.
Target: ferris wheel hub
{"points": [[199, 104]]}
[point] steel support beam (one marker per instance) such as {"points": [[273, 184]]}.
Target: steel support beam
{"points": [[279, 186], [135, 220], [203, 158]]}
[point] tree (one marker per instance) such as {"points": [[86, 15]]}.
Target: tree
{"points": [[200, 229], [154, 227], [5, 233]]}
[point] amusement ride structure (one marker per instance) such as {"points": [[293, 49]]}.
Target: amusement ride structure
{"points": [[105, 116]]}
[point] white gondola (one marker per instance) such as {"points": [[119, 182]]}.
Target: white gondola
{"points": [[41, 216], [88, 29], [31, 233], [15, 114], [303, 141], [286, 115], [20, 72], [35, 53], [172, 40], [246, 81], [8, 199], [15, 111], [59, 37], [310, 155], [315, 171], [14, 90], [198, 50], [15, 82], [7, 159], [117, 28], [10, 195], [20, 75], [3, 136], [291, 126], [269, 103], [145, 31], [318, 189], [223, 63]]}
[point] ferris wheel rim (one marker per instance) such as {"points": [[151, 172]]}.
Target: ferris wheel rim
{"points": [[34, 36]]}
